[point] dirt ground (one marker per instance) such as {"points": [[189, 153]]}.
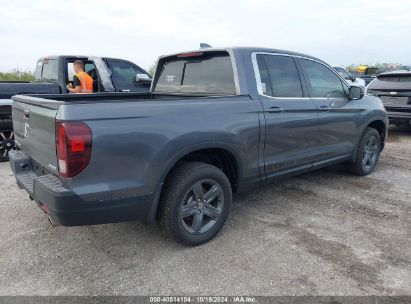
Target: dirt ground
{"points": [[322, 233]]}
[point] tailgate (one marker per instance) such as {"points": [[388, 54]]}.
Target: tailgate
{"points": [[34, 121]]}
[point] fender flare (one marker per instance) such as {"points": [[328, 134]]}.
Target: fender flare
{"points": [[175, 159]]}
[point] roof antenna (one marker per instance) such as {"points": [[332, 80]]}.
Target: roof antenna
{"points": [[204, 45]]}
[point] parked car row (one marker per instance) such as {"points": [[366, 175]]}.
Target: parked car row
{"points": [[217, 121], [391, 84]]}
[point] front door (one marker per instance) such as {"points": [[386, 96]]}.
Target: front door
{"points": [[337, 129], [290, 115]]}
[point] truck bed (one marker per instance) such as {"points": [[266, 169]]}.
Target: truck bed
{"points": [[43, 99], [8, 89]]}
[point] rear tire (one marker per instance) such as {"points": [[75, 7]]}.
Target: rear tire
{"points": [[368, 153], [195, 203], [6, 139]]}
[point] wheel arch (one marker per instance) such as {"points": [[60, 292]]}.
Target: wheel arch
{"points": [[218, 155], [381, 128], [380, 125]]}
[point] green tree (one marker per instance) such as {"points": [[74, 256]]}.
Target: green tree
{"points": [[17, 75]]}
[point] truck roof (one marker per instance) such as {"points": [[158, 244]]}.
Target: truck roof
{"points": [[75, 56], [247, 50]]}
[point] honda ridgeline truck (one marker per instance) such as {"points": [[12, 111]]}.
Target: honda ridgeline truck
{"points": [[217, 121]]}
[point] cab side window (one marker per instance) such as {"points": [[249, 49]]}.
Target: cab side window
{"points": [[323, 82], [123, 72], [279, 76], [124, 76]]}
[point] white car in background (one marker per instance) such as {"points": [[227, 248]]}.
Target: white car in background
{"points": [[351, 79]]}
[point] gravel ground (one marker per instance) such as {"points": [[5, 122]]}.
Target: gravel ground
{"points": [[322, 233]]}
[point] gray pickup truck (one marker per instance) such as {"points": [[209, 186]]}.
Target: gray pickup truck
{"points": [[217, 121]]}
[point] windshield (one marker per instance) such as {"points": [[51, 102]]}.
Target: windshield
{"points": [[202, 73]]}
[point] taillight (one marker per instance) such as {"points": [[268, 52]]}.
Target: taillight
{"points": [[73, 142]]}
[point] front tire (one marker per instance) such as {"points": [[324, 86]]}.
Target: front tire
{"points": [[368, 153], [195, 203]]}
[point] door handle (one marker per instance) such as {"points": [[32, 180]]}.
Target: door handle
{"points": [[274, 110], [26, 114], [325, 108]]}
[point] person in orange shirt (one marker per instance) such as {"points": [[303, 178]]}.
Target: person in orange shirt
{"points": [[82, 82]]}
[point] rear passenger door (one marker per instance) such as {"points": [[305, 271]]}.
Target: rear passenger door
{"points": [[290, 115], [337, 128]]}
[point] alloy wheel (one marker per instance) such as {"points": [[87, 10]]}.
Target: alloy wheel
{"points": [[202, 206], [370, 153]]}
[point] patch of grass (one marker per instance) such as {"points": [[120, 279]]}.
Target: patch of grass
{"points": [[17, 75]]}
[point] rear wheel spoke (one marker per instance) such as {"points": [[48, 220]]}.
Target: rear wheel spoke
{"points": [[198, 222], [198, 191], [366, 159], [189, 209], [212, 194], [2, 135], [212, 212]]}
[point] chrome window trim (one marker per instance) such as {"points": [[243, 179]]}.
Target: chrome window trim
{"points": [[258, 76]]}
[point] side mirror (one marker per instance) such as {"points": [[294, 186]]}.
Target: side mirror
{"points": [[143, 78], [356, 92], [353, 78]]}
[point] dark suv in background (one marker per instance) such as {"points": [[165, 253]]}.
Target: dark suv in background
{"points": [[394, 89]]}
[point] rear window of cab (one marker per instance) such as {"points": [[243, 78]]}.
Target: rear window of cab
{"points": [[46, 70], [197, 73]]}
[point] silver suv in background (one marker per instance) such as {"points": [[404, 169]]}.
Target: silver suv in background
{"points": [[351, 79]]}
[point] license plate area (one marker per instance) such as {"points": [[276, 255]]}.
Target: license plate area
{"points": [[395, 100]]}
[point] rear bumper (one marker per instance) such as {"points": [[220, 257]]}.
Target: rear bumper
{"points": [[67, 208]]}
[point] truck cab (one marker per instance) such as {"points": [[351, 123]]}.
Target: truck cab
{"points": [[109, 74]]}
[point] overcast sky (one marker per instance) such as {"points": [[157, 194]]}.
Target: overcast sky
{"points": [[340, 32]]}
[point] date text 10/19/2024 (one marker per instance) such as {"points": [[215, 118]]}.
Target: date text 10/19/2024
{"points": [[203, 299]]}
